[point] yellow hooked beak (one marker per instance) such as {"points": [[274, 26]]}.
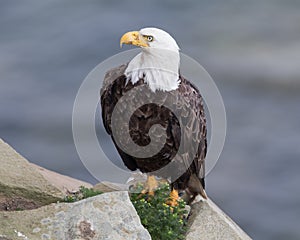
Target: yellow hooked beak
{"points": [[133, 38]]}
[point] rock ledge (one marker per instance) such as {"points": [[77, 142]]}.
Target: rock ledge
{"points": [[108, 216]]}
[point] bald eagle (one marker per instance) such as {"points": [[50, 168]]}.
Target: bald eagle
{"points": [[156, 69]]}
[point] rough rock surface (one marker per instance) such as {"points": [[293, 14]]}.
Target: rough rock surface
{"points": [[64, 183], [109, 187], [20, 184], [24, 185], [106, 216], [209, 222], [27, 186]]}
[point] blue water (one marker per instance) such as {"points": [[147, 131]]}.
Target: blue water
{"points": [[251, 49]]}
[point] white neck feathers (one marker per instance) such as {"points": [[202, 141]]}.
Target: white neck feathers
{"points": [[158, 67]]}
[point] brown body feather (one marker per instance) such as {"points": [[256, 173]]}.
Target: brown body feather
{"points": [[115, 85]]}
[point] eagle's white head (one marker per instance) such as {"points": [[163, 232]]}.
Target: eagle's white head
{"points": [[158, 63]]}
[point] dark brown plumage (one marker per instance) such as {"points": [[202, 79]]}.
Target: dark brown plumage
{"points": [[115, 85]]}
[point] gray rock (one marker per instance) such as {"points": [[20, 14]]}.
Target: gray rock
{"points": [[24, 185], [110, 187], [106, 216], [209, 222], [64, 183], [20, 184]]}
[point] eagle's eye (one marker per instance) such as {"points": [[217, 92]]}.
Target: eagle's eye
{"points": [[149, 38]]}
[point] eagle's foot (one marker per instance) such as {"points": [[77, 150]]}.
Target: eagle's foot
{"points": [[150, 186], [173, 198]]}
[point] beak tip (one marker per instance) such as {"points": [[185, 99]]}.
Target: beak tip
{"points": [[132, 38]]}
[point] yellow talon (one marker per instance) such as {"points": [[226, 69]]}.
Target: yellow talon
{"points": [[151, 186], [174, 197]]}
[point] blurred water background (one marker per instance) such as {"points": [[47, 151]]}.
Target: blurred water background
{"points": [[250, 48]]}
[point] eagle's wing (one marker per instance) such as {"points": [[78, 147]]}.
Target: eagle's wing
{"points": [[196, 134], [108, 101], [111, 76]]}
